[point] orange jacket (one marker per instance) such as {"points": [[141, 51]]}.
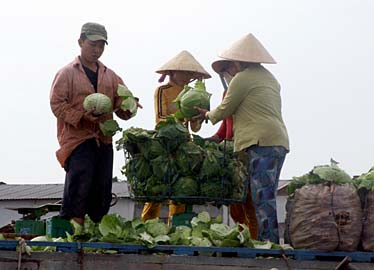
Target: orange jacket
{"points": [[69, 89]]}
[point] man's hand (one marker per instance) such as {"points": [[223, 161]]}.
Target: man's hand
{"points": [[89, 116], [138, 104], [125, 115]]}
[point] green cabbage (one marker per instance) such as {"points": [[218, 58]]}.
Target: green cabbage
{"points": [[155, 187], [155, 227], [189, 157], [190, 98], [123, 91], [365, 180], [321, 174], [129, 102], [180, 235], [152, 149], [109, 127], [171, 133], [98, 101], [185, 186]]}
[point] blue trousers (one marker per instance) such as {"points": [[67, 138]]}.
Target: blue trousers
{"points": [[265, 164]]}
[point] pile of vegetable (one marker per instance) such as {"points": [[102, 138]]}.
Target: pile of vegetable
{"points": [[321, 174], [365, 181], [167, 163], [204, 232]]}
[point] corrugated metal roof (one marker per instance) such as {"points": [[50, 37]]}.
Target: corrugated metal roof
{"points": [[55, 191], [48, 191]]}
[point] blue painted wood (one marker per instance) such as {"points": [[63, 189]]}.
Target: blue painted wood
{"points": [[297, 254]]}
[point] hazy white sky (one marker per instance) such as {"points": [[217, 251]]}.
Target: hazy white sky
{"points": [[324, 49]]}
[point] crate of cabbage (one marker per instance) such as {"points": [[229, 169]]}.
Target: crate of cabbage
{"points": [[169, 163]]}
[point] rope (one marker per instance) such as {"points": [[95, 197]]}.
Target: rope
{"points": [[23, 248], [285, 258]]}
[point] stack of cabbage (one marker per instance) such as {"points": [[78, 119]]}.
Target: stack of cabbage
{"points": [[365, 186], [167, 163], [204, 232]]}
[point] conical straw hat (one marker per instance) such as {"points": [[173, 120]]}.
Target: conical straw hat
{"points": [[184, 61], [246, 49]]}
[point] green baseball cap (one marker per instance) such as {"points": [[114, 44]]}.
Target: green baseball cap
{"points": [[94, 31]]}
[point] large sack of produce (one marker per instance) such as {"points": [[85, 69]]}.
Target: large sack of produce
{"points": [[347, 210], [326, 211], [368, 224], [312, 224], [365, 186]]}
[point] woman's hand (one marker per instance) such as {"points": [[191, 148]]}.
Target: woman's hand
{"points": [[202, 113], [214, 138]]}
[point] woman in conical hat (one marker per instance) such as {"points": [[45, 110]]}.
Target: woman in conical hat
{"points": [[181, 70], [254, 102]]}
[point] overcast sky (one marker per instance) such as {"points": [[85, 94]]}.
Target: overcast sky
{"points": [[324, 50]]}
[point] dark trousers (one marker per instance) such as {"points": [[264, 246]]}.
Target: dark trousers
{"points": [[88, 181]]}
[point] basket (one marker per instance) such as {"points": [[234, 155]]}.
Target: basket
{"points": [[170, 177], [57, 227], [35, 227]]}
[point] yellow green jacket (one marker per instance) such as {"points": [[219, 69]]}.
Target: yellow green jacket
{"points": [[253, 99]]}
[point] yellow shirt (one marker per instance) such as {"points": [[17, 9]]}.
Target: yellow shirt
{"points": [[253, 99], [163, 98]]}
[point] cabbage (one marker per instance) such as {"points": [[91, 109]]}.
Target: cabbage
{"points": [[180, 236], [155, 227], [155, 187], [42, 238], [365, 180], [123, 91], [321, 174], [190, 98], [129, 102], [185, 186], [109, 127], [98, 101], [171, 133], [111, 224], [189, 157]]}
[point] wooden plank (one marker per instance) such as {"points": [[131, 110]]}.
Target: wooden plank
{"points": [[74, 261], [194, 251]]}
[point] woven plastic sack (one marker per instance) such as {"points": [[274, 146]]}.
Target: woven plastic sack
{"points": [[312, 224], [325, 218], [368, 223]]}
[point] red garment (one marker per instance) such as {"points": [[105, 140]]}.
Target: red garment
{"points": [[225, 130]]}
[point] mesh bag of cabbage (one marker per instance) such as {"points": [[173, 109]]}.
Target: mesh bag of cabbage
{"points": [[183, 169]]}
